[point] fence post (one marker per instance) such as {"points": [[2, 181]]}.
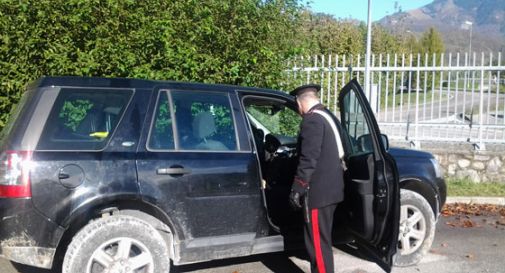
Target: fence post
{"points": [[328, 75], [321, 79], [498, 86], [418, 79], [394, 88], [379, 95], [387, 91], [481, 104], [335, 89]]}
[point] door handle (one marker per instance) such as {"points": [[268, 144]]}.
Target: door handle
{"points": [[63, 176], [173, 171], [127, 143]]}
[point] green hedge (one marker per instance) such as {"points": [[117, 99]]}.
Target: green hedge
{"points": [[241, 42]]}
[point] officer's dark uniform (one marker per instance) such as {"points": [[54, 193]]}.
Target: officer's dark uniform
{"points": [[320, 174]]}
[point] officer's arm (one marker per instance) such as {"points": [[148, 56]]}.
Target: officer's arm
{"points": [[311, 136]]}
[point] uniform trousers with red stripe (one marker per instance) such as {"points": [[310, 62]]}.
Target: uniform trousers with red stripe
{"points": [[318, 239]]}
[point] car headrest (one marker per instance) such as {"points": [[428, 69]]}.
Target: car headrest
{"points": [[203, 125]]}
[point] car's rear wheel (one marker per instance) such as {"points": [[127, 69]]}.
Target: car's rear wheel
{"points": [[117, 243], [417, 228]]}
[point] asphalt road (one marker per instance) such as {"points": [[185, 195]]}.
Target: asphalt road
{"points": [[456, 249], [437, 109]]}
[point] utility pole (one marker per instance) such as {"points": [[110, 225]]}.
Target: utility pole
{"points": [[469, 25], [368, 51]]}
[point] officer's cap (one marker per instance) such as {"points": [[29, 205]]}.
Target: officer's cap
{"points": [[305, 88]]}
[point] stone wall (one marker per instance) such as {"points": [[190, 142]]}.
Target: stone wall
{"points": [[462, 161], [477, 167]]}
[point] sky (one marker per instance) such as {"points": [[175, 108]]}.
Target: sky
{"points": [[357, 9]]}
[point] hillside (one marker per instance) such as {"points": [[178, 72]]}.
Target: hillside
{"points": [[448, 16]]}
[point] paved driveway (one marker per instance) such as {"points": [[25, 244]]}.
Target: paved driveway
{"points": [[456, 249]]}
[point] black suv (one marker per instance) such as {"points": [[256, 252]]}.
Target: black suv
{"points": [[103, 175]]}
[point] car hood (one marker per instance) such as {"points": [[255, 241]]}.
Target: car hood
{"points": [[402, 153]]}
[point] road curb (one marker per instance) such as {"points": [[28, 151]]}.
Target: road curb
{"points": [[476, 200]]}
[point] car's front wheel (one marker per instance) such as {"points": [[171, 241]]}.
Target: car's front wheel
{"points": [[417, 228], [117, 243]]}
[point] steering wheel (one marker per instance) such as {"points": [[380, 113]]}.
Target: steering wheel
{"points": [[271, 143]]}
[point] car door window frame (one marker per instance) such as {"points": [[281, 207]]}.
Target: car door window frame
{"points": [[155, 117], [131, 94], [363, 122], [286, 102], [370, 121], [177, 147]]}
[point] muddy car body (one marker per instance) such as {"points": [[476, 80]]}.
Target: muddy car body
{"points": [[106, 173]]}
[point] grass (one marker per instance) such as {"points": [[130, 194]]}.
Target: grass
{"points": [[458, 187]]}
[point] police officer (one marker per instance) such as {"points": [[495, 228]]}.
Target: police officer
{"points": [[318, 185]]}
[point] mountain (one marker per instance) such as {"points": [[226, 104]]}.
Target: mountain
{"points": [[487, 19]]}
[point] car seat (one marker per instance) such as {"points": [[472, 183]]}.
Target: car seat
{"points": [[94, 121], [203, 127]]}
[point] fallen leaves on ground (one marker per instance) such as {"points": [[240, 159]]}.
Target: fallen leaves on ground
{"points": [[460, 222], [473, 209], [462, 214]]}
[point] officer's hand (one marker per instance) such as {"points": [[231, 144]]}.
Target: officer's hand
{"points": [[298, 191], [295, 200]]}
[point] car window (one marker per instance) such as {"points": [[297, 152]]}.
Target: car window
{"points": [[356, 125], [83, 119], [204, 121], [162, 136], [273, 117]]}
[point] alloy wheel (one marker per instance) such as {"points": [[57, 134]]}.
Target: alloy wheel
{"points": [[121, 255], [412, 229]]}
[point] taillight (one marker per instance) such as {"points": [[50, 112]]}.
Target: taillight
{"points": [[15, 174]]}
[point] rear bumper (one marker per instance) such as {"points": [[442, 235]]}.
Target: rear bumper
{"points": [[26, 236]]}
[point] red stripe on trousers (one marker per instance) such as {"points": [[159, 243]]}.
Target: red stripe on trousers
{"points": [[317, 242]]}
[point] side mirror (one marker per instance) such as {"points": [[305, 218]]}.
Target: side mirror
{"points": [[365, 142], [385, 141]]}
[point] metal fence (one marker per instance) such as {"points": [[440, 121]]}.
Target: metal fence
{"points": [[446, 97]]}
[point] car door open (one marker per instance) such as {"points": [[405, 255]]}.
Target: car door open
{"points": [[372, 198]]}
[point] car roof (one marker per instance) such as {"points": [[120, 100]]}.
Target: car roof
{"points": [[76, 81]]}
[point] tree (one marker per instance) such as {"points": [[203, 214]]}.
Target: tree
{"points": [[431, 42], [383, 41], [243, 42], [327, 35]]}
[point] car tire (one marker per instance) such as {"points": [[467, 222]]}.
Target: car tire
{"points": [[115, 243], [417, 228]]}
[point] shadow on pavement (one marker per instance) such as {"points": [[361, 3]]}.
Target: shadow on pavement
{"points": [[276, 262], [21, 268], [280, 263]]}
